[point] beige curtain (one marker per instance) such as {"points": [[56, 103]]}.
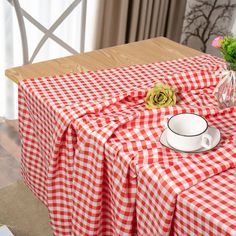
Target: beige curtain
{"points": [[124, 21]]}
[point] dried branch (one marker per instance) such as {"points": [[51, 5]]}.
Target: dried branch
{"points": [[204, 17]]}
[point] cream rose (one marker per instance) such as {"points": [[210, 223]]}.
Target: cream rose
{"points": [[161, 95]]}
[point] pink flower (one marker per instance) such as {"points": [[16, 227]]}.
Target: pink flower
{"points": [[216, 43]]}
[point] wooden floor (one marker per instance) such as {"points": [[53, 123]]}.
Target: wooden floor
{"points": [[9, 153]]}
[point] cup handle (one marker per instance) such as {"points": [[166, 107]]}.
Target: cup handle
{"points": [[206, 141]]}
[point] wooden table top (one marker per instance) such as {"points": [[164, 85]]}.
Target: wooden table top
{"points": [[147, 51]]}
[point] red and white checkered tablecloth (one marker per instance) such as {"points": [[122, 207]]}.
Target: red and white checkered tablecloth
{"points": [[91, 152], [213, 202]]}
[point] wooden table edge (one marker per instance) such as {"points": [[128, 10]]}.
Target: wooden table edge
{"points": [[141, 52]]}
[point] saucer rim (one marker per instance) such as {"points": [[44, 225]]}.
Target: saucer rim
{"points": [[201, 150]]}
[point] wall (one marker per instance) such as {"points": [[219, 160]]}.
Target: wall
{"points": [[195, 9]]}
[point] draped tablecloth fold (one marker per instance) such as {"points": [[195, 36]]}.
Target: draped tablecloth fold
{"points": [[91, 151]]}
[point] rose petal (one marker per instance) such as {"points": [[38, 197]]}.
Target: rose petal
{"points": [[216, 43]]}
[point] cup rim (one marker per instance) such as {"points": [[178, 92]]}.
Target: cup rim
{"points": [[185, 135]]}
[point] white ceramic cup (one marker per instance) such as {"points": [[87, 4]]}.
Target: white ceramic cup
{"points": [[188, 132]]}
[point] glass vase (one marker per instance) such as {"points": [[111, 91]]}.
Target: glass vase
{"points": [[225, 91]]}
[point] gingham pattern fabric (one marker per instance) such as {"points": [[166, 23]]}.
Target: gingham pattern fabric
{"points": [[90, 149], [208, 208]]}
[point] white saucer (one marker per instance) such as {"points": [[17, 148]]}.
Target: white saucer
{"points": [[213, 131]]}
